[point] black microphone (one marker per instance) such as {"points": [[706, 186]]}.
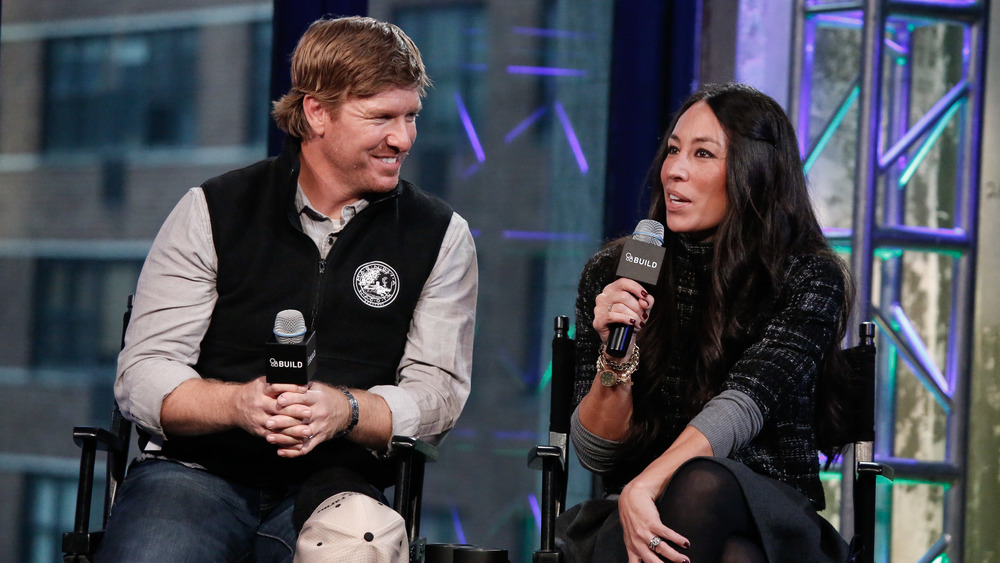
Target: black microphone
{"points": [[291, 351], [642, 261]]}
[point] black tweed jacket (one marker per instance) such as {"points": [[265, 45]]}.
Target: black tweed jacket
{"points": [[778, 368]]}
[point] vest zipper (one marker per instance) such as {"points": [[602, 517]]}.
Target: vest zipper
{"points": [[317, 298], [319, 293]]}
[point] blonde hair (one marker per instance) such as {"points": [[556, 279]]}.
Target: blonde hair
{"points": [[350, 57]]}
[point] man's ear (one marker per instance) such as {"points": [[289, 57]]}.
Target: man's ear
{"points": [[316, 115]]}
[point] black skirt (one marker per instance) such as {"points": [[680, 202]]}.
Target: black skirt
{"points": [[790, 529]]}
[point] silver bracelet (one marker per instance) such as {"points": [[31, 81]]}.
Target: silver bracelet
{"points": [[354, 413]]}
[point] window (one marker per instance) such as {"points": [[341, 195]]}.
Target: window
{"points": [[121, 91], [49, 506], [259, 108], [78, 311], [456, 63]]}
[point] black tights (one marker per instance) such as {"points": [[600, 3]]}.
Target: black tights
{"points": [[705, 504]]}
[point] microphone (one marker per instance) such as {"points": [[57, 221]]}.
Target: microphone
{"points": [[289, 327], [291, 351], [642, 261]]}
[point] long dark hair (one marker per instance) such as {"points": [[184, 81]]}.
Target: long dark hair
{"points": [[768, 218]]}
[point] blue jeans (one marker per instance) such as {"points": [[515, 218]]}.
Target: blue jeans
{"points": [[165, 511]]}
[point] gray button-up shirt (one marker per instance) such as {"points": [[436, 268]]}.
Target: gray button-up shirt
{"points": [[176, 295]]}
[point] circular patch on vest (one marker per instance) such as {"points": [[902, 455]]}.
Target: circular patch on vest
{"points": [[376, 284]]}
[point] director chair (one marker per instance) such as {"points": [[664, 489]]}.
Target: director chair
{"points": [[552, 459], [79, 545]]}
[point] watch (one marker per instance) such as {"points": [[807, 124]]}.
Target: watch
{"points": [[609, 378]]}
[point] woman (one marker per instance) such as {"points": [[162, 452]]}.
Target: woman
{"points": [[712, 435]]}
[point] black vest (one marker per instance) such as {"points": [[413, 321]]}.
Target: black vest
{"points": [[359, 301]]}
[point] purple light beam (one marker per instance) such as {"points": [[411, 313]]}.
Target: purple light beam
{"points": [[470, 130], [574, 143], [524, 125], [457, 522], [546, 236], [541, 32], [545, 70], [536, 510]]}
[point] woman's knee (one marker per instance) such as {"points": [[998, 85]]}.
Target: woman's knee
{"points": [[703, 479], [739, 549]]}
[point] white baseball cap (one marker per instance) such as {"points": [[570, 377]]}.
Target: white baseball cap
{"points": [[352, 527]]}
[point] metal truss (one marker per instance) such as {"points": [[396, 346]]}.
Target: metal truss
{"points": [[893, 139]]}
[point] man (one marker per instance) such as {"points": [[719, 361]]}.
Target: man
{"points": [[308, 230]]}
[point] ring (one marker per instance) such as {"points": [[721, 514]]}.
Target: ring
{"points": [[654, 542], [609, 306]]}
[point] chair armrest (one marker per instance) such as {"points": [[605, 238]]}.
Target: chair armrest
{"points": [[410, 454], [407, 445], [541, 453], [878, 469], [97, 438]]}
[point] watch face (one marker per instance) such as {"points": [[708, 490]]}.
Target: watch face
{"points": [[609, 378]]}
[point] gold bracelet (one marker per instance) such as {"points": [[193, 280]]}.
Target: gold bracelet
{"points": [[619, 366], [614, 373]]}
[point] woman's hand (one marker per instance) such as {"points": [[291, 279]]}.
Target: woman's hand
{"points": [[637, 503], [641, 523], [623, 301], [607, 411]]}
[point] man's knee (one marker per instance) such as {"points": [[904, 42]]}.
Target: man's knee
{"points": [[165, 511]]}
